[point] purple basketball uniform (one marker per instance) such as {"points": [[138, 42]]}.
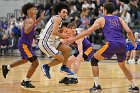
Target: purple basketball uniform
{"points": [[87, 50], [25, 44], [115, 41]]}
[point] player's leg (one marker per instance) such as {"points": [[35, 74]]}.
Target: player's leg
{"points": [[7, 68], [99, 55], [65, 49], [133, 56], [26, 82], [71, 60], [50, 50], [70, 63], [75, 68], [121, 61], [30, 55]]}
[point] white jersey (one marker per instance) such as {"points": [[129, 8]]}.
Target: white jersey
{"points": [[49, 42], [47, 31]]}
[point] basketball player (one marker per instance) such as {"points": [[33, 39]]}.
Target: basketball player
{"points": [[115, 44], [50, 40], [83, 52], [24, 45]]}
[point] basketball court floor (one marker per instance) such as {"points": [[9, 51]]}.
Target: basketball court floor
{"points": [[111, 78]]}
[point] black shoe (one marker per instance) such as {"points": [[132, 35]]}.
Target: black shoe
{"points": [[65, 79], [4, 70], [72, 81], [95, 89], [135, 89], [27, 84]]}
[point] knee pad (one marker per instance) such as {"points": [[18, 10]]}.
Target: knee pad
{"points": [[94, 61], [34, 58]]}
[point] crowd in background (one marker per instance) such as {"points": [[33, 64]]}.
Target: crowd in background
{"points": [[82, 12]]}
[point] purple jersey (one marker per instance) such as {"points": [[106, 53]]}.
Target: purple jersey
{"points": [[26, 38], [24, 44], [113, 30], [115, 42]]}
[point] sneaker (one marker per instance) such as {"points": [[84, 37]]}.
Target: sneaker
{"points": [[27, 84], [46, 71], [138, 62], [4, 70], [67, 70], [65, 79], [135, 89], [95, 89], [72, 81]]}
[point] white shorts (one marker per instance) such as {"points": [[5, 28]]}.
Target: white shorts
{"points": [[49, 47]]}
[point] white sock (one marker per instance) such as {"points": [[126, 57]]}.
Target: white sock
{"points": [[8, 67], [26, 79], [75, 76], [132, 83], [96, 81]]}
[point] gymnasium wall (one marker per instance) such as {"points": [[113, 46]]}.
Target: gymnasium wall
{"points": [[8, 6]]}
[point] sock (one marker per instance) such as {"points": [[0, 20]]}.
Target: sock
{"points": [[8, 67], [75, 76], [132, 83], [96, 81], [26, 79]]}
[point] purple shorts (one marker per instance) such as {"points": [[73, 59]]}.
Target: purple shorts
{"points": [[88, 53], [26, 51], [109, 49]]}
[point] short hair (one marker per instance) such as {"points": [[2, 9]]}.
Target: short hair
{"points": [[72, 24], [110, 7], [59, 6], [26, 7]]}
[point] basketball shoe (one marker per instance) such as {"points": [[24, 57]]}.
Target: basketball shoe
{"points": [[63, 80], [135, 89], [27, 84], [4, 70], [46, 71], [67, 70], [72, 81], [95, 89]]}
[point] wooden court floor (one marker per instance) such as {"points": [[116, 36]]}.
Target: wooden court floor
{"points": [[111, 78]]}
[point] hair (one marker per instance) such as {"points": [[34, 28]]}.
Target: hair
{"points": [[59, 6], [71, 25], [26, 7], [110, 7]]}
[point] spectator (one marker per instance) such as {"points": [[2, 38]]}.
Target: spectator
{"points": [[12, 43], [126, 16], [4, 44]]}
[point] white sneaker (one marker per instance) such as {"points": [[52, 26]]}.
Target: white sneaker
{"points": [[129, 61], [138, 62], [133, 61]]}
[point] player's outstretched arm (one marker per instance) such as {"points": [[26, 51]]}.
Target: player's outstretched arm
{"points": [[129, 32], [85, 33]]}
